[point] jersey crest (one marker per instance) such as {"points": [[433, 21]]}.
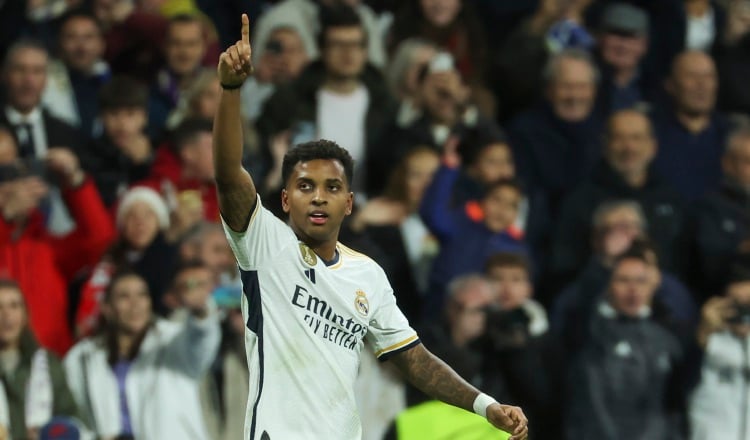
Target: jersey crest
{"points": [[308, 256], [361, 304]]}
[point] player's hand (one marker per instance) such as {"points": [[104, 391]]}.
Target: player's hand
{"points": [[510, 419], [234, 63]]}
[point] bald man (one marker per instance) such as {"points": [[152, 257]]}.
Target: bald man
{"points": [[624, 173], [691, 133]]}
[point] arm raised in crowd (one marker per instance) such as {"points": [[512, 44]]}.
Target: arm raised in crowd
{"points": [[237, 193]]}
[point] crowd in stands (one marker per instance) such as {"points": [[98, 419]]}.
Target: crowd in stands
{"points": [[558, 191]]}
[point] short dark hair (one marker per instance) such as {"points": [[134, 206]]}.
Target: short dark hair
{"points": [[122, 92], [320, 149], [641, 250], [117, 277], [189, 130], [7, 283], [504, 183], [186, 265], [508, 259], [23, 44], [81, 15], [336, 17], [476, 140], [739, 271]]}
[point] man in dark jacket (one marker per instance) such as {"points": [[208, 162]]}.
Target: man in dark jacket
{"points": [[557, 143], [625, 173], [719, 226], [620, 383], [36, 129], [691, 133], [338, 97]]}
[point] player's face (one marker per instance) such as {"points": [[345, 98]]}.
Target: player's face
{"points": [[12, 316], [129, 305], [317, 198]]}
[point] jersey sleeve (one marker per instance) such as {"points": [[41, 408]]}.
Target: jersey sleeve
{"points": [[389, 331], [265, 237]]}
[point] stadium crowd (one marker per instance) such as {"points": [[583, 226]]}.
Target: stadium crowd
{"points": [[558, 190]]}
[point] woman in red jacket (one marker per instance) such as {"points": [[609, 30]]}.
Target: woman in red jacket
{"points": [[43, 264]]}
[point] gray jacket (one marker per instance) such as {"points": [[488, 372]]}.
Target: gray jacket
{"points": [[618, 383]]}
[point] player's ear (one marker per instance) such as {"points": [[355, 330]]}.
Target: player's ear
{"points": [[349, 203], [285, 201]]}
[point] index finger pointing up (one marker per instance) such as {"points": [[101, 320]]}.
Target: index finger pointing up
{"points": [[245, 29]]}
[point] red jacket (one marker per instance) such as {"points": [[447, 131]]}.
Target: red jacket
{"points": [[43, 264]]}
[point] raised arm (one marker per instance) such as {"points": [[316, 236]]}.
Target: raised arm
{"points": [[435, 378], [237, 193]]}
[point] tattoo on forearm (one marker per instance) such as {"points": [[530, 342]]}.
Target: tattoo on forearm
{"points": [[236, 205], [435, 378]]}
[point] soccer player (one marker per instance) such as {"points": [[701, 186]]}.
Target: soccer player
{"points": [[310, 302]]}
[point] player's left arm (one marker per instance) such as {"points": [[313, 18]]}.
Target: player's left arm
{"points": [[435, 378]]}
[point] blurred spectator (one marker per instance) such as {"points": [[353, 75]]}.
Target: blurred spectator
{"points": [[392, 222], [206, 242], [443, 109], [625, 173], [122, 154], [183, 172], [691, 133], [140, 375], [201, 100], [24, 77], [142, 223], [733, 60], [74, 80], [704, 21], [134, 38], [519, 65], [402, 74], [184, 49], [44, 264], [338, 97], [454, 336], [33, 387], [619, 384], [719, 225], [284, 58], [718, 407], [453, 26], [622, 45], [467, 234], [618, 226], [520, 350], [306, 17], [557, 144]]}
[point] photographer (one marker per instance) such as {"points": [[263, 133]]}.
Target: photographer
{"points": [[41, 263], [718, 407]]}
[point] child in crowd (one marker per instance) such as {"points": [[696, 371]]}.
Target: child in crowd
{"points": [[470, 233]]}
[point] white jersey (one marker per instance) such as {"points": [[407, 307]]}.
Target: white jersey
{"points": [[306, 322]]}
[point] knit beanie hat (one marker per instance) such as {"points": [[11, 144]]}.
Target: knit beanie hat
{"points": [[147, 196]]}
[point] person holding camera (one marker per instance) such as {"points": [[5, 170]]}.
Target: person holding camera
{"points": [[719, 407], [41, 263]]}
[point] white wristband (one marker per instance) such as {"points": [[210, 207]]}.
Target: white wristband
{"points": [[481, 403]]}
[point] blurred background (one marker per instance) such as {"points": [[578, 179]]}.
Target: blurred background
{"points": [[558, 190]]}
